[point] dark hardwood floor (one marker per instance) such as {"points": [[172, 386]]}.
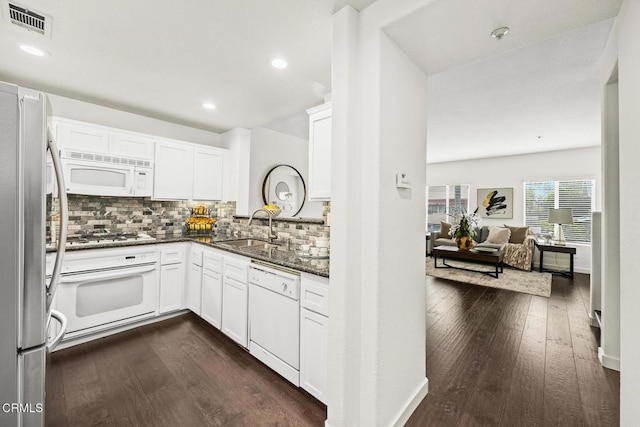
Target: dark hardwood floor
{"points": [[500, 358], [494, 358]]}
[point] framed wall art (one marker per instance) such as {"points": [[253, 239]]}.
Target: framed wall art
{"points": [[495, 203]]}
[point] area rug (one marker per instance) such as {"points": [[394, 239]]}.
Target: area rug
{"points": [[528, 282]]}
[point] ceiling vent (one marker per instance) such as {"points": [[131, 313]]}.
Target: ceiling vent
{"points": [[26, 18]]}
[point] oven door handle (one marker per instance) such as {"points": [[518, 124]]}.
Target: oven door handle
{"points": [[55, 314], [106, 275]]}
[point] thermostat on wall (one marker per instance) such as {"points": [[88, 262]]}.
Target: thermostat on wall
{"points": [[402, 180]]}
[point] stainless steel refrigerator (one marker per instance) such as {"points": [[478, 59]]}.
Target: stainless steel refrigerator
{"points": [[25, 292]]}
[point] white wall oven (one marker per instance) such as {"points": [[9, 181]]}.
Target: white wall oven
{"points": [[103, 175], [101, 289]]}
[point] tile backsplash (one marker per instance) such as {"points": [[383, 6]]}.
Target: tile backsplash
{"points": [[166, 218]]}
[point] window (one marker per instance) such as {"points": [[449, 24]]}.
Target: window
{"points": [[574, 194], [443, 200]]}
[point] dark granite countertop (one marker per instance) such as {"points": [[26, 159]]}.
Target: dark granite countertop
{"points": [[299, 220], [283, 258]]}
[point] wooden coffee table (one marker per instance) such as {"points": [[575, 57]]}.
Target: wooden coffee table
{"points": [[471, 256]]}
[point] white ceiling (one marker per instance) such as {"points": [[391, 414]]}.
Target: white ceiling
{"points": [[491, 97], [163, 58]]}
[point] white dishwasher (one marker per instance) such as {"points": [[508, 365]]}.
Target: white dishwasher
{"points": [[274, 318]]}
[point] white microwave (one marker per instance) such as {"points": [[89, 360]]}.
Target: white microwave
{"points": [[102, 175]]}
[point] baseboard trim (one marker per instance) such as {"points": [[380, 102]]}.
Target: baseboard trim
{"points": [[593, 321], [412, 404], [608, 361]]}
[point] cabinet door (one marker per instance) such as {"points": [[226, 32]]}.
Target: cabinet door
{"points": [[320, 153], [133, 146], [173, 171], [171, 280], [207, 174], [194, 289], [212, 297], [81, 137], [235, 297], [313, 353]]}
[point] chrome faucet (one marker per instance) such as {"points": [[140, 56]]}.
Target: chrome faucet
{"points": [[272, 236]]}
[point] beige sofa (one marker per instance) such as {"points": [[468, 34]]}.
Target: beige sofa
{"points": [[518, 255]]}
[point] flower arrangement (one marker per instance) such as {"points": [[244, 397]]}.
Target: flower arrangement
{"points": [[464, 229]]}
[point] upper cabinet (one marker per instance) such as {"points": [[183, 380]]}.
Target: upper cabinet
{"points": [[132, 146], [320, 152], [207, 173], [82, 137], [188, 171], [173, 171]]}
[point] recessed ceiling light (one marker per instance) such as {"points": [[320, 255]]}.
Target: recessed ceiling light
{"points": [[499, 33], [209, 105], [32, 50], [279, 63]]}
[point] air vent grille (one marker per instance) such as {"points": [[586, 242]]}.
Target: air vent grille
{"points": [[27, 18], [106, 159]]}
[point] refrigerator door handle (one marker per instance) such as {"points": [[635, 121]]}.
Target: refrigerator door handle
{"points": [[64, 218], [55, 314]]}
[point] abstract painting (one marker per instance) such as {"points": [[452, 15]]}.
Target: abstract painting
{"points": [[495, 202]]}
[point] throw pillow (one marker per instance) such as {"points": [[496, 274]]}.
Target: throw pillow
{"points": [[498, 235], [445, 227], [518, 234]]}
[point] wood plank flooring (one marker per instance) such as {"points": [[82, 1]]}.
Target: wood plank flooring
{"points": [[494, 358], [500, 358]]}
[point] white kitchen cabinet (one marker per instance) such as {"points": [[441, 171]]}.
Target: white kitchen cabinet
{"points": [[173, 174], [82, 137], [171, 277], [207, 173], [212, 287], [235, 303], [132, 146], [314, 326], [320, 152], [193, 289], [235, 298]]}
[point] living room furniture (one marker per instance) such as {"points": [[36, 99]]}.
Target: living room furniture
{"points": [[518, 255], [472, 256], [429, 243], [560, 216], [571, 250]]}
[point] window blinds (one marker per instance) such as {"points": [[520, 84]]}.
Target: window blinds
{"points": [[574, 194]]}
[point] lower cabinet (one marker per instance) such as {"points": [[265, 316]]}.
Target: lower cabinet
{"points": [[313, 353], [171, 277], [194, 289], [212, 297], [314, 327], [235, 300]]}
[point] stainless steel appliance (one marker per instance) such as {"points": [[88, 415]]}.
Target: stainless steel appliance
{"points": [[101, 289], [274, 318], [25, 300], [104, 175]]}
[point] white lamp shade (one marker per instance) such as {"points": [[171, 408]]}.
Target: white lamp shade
{"points": [[560, 216]]}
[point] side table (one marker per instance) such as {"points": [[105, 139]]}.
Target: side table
{"points": [[571, 250]]}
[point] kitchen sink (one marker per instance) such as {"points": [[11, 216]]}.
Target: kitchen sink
{"points": [[249, 244]]}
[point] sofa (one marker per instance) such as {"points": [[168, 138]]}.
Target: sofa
{"points": [[517, 252]]}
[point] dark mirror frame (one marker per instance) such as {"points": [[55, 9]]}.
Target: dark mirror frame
{"points": [[304, 187]]}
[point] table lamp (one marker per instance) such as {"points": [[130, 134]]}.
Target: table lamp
{"points": [[560, 216]]}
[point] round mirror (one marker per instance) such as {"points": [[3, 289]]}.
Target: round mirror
{"points": [[284, 187]]}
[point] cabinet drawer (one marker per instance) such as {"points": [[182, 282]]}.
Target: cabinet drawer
{"points": [[195, 255], [172, 254], [315, 293], [236, 268], [212, 261]]}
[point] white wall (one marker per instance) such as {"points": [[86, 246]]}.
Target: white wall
{"points": [[270, 148], [92, 113], [377, 372], [514, 171], [628, 53], [238, 142]]}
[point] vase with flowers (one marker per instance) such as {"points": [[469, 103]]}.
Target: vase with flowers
{"points": [[464, 229]]}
